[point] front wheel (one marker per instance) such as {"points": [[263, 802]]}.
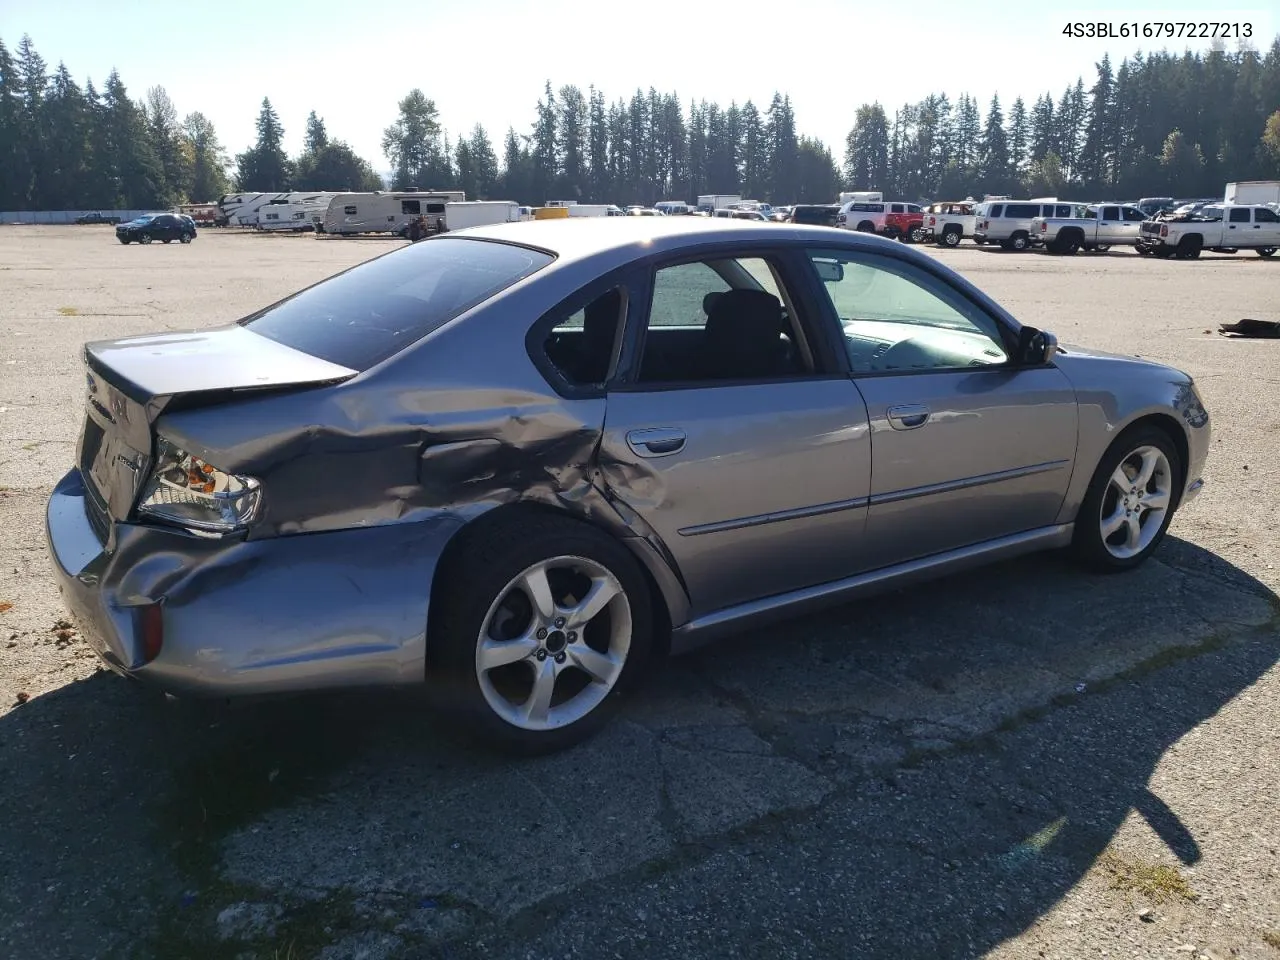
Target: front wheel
{"points": [[542, 621], [1266, 251], [1019, 242], [916, 235], [1102, 248], [1130, 501], [144, 238], [124, 240], [185, 238]]}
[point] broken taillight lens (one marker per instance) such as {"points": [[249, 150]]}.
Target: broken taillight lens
{"points": [[187, 491]]}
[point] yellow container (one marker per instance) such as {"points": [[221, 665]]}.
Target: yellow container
{"points": [[550, 213]]}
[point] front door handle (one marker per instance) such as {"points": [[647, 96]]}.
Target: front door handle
{"points": [[656, 441], [908, 416]]}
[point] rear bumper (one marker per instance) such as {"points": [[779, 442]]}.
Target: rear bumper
{"points": [[286, 614]]}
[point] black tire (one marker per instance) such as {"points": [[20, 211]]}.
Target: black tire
{"points": [[1102, 247], [124, 240], [1019, 241], [487, 560], [144, 238], [1087, 542], [167, 240], [1267, 252], [915, 235], [1189, 248], [185, 238], [866, 226], [951, 238]]}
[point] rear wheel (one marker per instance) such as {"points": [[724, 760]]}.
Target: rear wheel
{"points": [[541, 622], [1266, 251], [1019, 241], [1129, 502], [1102, 247], [185, 238], [866, 226], [144, 238], [951, 238], [916, 235], [124, 240]]}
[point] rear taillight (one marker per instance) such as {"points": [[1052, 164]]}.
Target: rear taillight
{"points": [[985, 224], [1164, 231], [932, 221], [1044, 227]]}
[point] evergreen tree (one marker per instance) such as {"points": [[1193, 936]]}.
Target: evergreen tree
{"points": [[1097, 153], [413, 143], [485, 164], [170, 145], [1018, 135], [32, 75], [15, 169], [265, 167], [1182, 163], [546, 159], [134, 173], [317, 136], [755, 158], [68, 150], [600, 183], [866, 158], [994, 168], [208, 159], [1042, 129], [571, 126]]}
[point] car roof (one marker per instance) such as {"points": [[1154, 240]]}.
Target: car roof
{"points": [[582, 238]]}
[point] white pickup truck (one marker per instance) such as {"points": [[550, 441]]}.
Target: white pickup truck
{"points": [[1093, 228], [1224, 228], [949, 222]]}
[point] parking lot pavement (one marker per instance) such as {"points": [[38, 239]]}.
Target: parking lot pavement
{"points": [[1016, 761]]}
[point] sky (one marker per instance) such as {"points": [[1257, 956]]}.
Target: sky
{"points": [[486, 61]]}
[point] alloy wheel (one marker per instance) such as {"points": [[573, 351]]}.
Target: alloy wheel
{"points": [[554, 643], [1138, 496]]}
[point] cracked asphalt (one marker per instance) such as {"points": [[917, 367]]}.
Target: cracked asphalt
{"points": [[1022, 761]]}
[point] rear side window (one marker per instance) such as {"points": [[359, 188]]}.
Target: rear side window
{"points": [[375, 310], [1022, 211], [1239, 215], [996, 211]]}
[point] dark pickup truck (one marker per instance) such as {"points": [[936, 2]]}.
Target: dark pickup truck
{"points": [[97, 218]]}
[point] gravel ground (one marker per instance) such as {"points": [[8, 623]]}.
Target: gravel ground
{"points": [[1033, 763]]}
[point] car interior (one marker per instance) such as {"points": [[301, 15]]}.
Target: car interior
{"points": [[742, 332]]}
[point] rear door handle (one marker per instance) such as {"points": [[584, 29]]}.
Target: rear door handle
{"points": [[656, 441], [908, 416]]}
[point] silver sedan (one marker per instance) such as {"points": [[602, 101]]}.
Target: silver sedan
{"points": [[519, 463]]}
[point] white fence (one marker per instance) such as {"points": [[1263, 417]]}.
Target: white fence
{"points": [[67, 216]]}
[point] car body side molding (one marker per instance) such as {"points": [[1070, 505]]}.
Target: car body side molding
{"points": [[704, 629]]}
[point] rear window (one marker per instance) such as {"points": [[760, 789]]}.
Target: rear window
{"points": [[375, 310], [1021, 211]]}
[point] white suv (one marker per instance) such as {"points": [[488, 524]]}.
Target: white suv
{"points": [[863, 217]]}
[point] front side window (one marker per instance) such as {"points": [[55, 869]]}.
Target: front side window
{"points": [[375, 310], [1263, 215], [899, 319], [1239, 215], [725, 319]]}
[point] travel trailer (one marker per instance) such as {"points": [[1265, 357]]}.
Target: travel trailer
{"points": [[589, 210], [711, 202], [387, 211], [241, 209], [295, 211], [478, 213]]}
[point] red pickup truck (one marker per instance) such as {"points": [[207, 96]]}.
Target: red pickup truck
{"points": [[904, 221]]}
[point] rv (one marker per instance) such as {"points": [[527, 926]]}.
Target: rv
{"points": [[862, 196], [478, 213], [386, 211], [561, 203], [715, 201], [275, 217], [1260, 192], [241, 209]]}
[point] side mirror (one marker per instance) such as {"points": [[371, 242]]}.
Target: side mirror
{"points": [[1036, 347]]}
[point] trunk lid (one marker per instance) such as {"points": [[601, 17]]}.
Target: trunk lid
{"points": [[130, 382]]}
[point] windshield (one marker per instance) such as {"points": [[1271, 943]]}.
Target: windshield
{"points": [[373, 311], [146, 219]]}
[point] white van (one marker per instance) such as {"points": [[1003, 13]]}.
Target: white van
{"points": [[672, 207], [1008, 223]]}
